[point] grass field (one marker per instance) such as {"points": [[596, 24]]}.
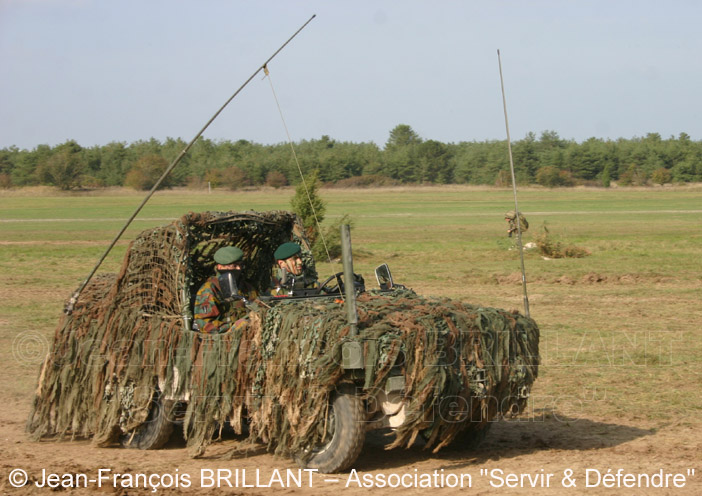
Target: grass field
{"points": [[621, 328]]}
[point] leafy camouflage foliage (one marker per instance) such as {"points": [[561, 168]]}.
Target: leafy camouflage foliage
{"points": [[128, 339]]}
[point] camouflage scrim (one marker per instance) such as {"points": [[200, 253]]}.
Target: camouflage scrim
{"points": [[129, 339], [147, 306]]}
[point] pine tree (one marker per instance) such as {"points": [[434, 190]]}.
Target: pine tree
{"points": [[306, 203]]}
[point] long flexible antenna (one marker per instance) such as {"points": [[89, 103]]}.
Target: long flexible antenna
{"points": [[299, 169], [69, 307], [514, 188]]}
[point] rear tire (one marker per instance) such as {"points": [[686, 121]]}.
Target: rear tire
{"points": [[155, 431], [346, 433]]}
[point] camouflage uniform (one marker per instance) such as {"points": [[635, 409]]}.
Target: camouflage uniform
{"points": [[511, 218], [294, 285], [214, 315]]}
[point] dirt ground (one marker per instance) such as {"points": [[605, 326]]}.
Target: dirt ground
{"points": [[545, 444]]}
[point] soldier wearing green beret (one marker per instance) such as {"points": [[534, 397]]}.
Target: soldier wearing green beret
{"points": [[290, 279], [220, 303]]}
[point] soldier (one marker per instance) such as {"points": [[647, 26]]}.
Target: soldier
{"points": [[220, 303], [511, 219], [290, 279]]}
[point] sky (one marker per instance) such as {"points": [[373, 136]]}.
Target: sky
{"points": [[98, 71]]}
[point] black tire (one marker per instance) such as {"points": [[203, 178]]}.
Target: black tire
{"points": [[347, 430], [155, 431]]}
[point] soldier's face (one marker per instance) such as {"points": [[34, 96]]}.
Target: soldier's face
{"points": [[292, 265]]}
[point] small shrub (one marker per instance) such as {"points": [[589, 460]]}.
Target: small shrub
{"points": [[553, 248], [566, 178], [661, 176], [63, 169], [276, 179], [146, 172], [5, 181], [309, 206], [92, 182], [572, 251], [547, 176], [213, 177], [632, 177], [234, 178], [551, 177], [136, 179], [332, 237]]}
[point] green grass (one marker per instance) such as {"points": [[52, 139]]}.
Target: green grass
{"points": [[621, 324]]}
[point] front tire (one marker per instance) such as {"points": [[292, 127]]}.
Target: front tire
{"points": [[345, 433], [155, 431]]}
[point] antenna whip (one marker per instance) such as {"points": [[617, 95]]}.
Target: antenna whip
{"points": [[299, 169], [514, 188], [69, 306]]}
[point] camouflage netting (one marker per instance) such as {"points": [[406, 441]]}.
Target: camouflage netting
{"points": [[129, 337], [463, 364]]}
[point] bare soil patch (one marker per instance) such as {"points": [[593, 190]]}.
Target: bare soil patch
{"points": [[591, 278], [545, 443]]}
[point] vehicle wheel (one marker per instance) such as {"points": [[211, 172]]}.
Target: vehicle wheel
{"points": [[470, 439], [155, 431], [346, 432]]}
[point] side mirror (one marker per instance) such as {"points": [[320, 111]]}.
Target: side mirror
{"points": [[384, 277]]}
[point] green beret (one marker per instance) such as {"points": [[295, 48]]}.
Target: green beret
{"points": [[228, 255], [287, 250]]}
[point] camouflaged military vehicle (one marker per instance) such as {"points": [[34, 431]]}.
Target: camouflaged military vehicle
{"points": [[127, 367]]}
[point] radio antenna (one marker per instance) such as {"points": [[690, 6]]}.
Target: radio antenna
{"points": [[69, 306], [514, 189]]}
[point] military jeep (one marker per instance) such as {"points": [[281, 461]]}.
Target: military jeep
{"points": [[126, 366]]}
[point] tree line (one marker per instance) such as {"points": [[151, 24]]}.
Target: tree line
{"points": [[406, 158]]}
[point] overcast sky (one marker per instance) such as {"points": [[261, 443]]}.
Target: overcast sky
{"points": [[98, 71]]}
